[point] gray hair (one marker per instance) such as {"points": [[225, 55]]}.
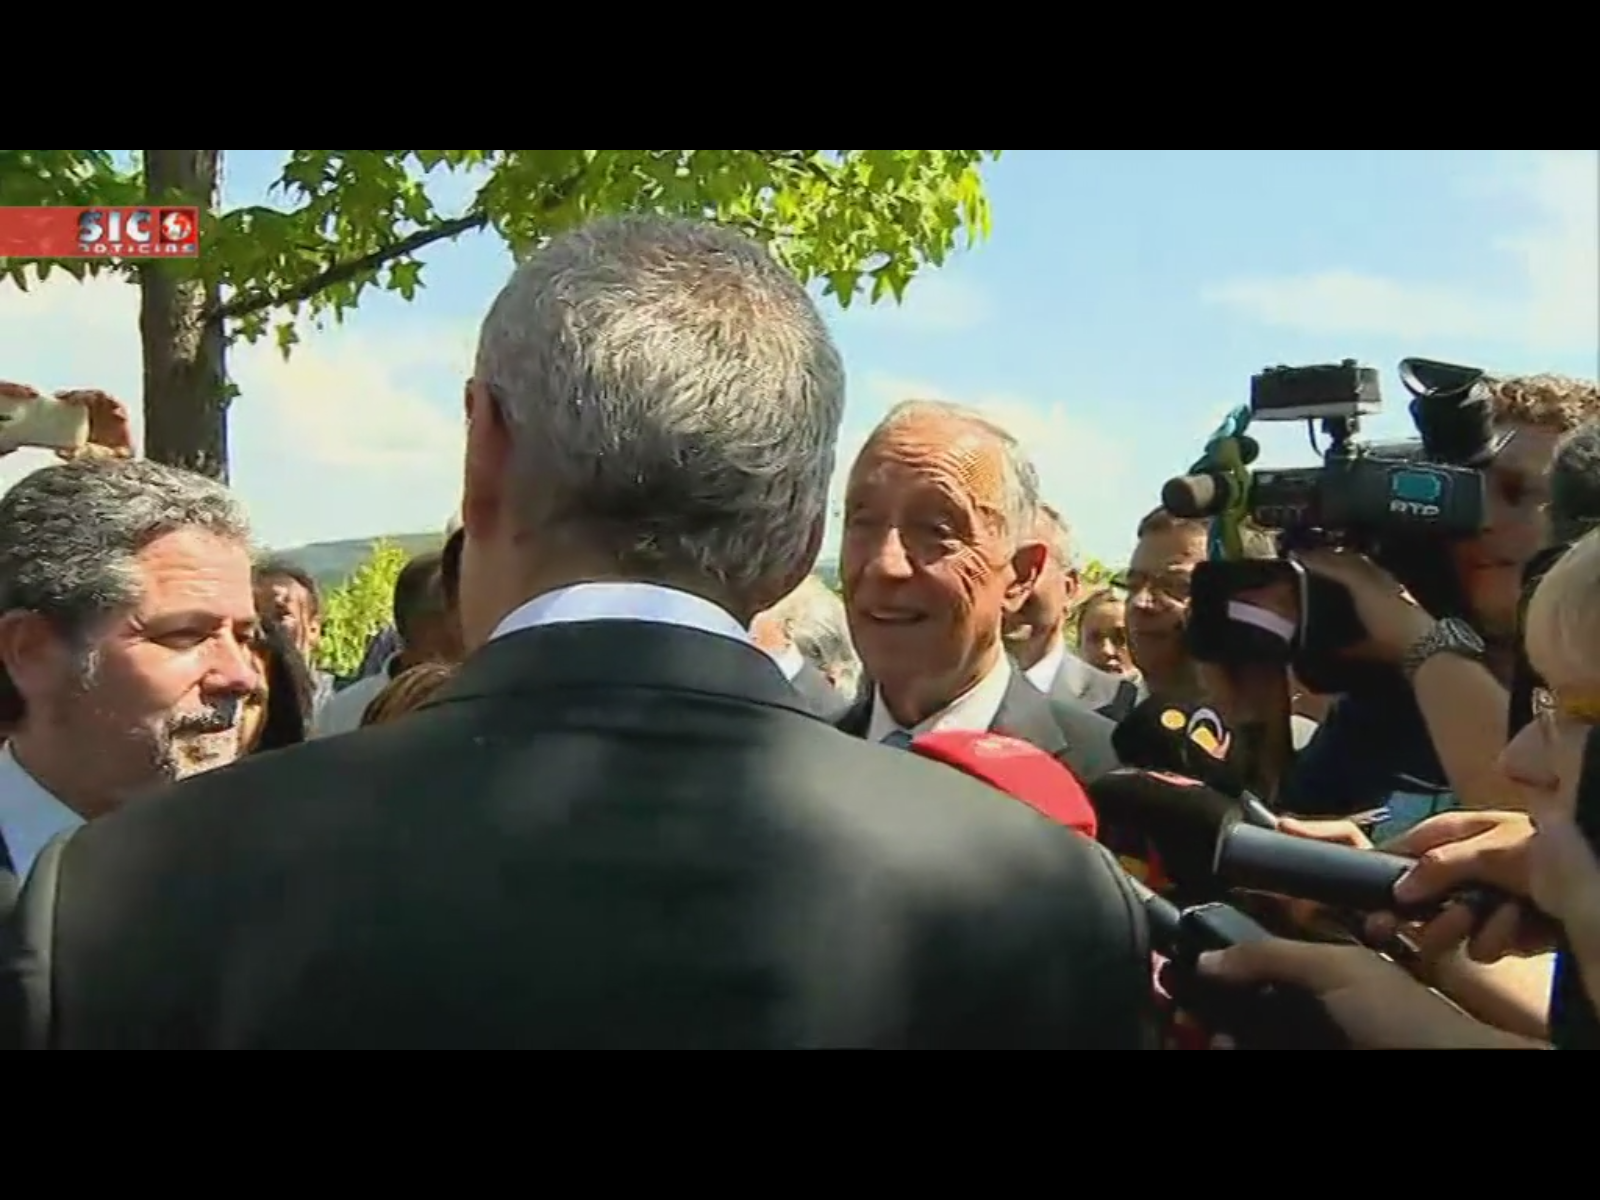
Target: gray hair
{"points": [[1575, 483], [674, 396], [1057, 537], [1019, 481], [69, 535], [812, 617]]}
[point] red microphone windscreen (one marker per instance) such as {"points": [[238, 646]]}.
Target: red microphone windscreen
{"points": [[1021, 771]]}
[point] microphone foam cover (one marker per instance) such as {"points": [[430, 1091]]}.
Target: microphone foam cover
{"points": [[1021, 771], [1180, 739]]}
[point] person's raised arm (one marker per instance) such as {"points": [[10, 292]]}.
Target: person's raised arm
{"points": [[1463, 705]]}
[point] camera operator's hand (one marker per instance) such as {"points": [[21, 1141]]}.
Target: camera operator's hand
{"points": [[1455, 851], [1377, 1004], [1393, 620]]}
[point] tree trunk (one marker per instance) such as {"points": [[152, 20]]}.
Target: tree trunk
{"points": [[186, 391]]}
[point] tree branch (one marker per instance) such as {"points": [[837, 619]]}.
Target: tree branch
{"points": [[253, 302]]}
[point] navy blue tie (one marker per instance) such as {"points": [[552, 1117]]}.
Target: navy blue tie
{"points": [[898, 739]]}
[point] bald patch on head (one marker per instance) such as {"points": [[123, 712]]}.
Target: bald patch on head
{"points": [[949, 446]]}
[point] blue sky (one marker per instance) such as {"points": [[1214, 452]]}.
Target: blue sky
{"points": [[1121, 306]]}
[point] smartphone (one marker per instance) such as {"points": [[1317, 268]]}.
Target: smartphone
{"points": [[44, 422]]}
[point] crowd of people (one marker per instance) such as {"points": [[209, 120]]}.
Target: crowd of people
{"points": [[624, 773]]}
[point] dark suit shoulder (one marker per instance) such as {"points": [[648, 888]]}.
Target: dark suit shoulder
{"points": [[769, 883], [1031, 935]]}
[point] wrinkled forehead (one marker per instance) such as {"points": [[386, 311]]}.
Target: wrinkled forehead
{"points": [[952, 454]]}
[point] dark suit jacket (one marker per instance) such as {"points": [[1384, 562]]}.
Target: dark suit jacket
{"points": [[600, 835], [1063, 728], [1112, 696], [821, 697], [9, 884]]}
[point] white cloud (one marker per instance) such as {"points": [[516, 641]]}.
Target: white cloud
{"points": [[1554, 254], [359, 433], [934, 303], [1081, 464]]}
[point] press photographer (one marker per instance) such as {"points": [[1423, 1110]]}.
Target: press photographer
{"points": [[1422, 662]]}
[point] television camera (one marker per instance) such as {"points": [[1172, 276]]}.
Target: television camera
{"points": [[1401, 504], [1432, 486]]}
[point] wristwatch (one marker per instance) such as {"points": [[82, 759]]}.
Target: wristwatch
{"points": [[1451, 635]]}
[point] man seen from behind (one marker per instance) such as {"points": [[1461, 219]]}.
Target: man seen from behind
{"points": [[618, 825]]}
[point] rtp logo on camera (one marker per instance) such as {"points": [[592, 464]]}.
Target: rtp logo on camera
{"points": [[139, 232]]}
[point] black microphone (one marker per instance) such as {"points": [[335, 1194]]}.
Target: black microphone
{"points": [[1264, 1018], [1205, 845], [1177, 819], [1191, 741], [1263, 860], [1196, 497]]}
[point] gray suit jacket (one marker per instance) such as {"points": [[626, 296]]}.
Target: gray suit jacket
{"points": [[1110, 695], [821, 697], [1066, 729]]}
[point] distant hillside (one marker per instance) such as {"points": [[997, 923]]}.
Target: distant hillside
{"points": [[331, 563]]}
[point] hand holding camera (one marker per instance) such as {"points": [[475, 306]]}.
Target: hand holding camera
{"points": [[1394, 622], [74, 423]]}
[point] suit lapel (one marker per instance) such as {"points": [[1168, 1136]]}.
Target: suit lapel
{"points": [[10, 885], [1025, 715], [857, 719], [1069, 681]]}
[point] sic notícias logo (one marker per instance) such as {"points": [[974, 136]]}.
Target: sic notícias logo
{"points": [[139, 232]]}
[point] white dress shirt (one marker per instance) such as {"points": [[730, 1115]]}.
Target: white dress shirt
{"points": [[29, 816], [1043, 673], [791, 662], [342, 711], [972, 713], [622, 602]]}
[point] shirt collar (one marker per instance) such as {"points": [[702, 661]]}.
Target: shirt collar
{"points": [[973, 712], [1043, 673], [622, 602], [30, 817], [790, 661]]}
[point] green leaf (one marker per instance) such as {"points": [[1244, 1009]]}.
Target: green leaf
{"points": [[286, 337], [336, 223]]}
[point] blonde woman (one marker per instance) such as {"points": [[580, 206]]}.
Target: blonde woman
{"points": [[1102, 618]]}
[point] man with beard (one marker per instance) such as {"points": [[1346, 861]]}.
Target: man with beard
{"points": [[126, 615]]}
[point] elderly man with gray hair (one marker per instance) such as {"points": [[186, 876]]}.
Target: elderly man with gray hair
{"points": [[941, 545], [807, 636], [618, 826], [126, 621]]}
